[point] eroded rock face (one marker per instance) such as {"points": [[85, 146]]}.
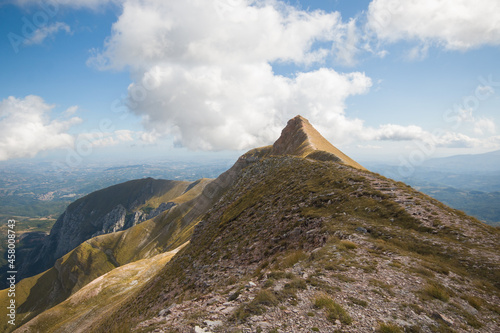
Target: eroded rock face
{"points": [[109, 210], [161, 208], [300, 138]]}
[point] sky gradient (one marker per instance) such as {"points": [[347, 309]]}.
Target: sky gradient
{"points": [[383, 80]]}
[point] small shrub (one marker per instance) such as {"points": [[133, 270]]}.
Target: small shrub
{"points": [[314, 329], [334, 311], [472, 320], [194, 317], [343, 278], [256, 306], [269, 283], [358, 301], [293, 258], [475, 302], [416, 308], [423, 272], [412, 329], [265, 297], [389, 328], [346, 245], [436, 268], [295, 284], [395, 264], [437, 291], [380, 284]]}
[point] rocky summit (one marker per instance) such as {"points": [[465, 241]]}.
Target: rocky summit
{"points": [[295, 237]]}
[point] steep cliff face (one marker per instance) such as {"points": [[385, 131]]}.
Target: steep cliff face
{"points": [[109, 210]]}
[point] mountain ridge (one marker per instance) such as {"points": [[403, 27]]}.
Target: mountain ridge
{"points": [[300, 138], [301, 240]]}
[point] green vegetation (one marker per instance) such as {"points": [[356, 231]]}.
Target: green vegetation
{"points": [[293, 258], [257, 306], [475, 302], [389, 328], [358, 301], [435, 290], [30, 208], [346, 245], [334, 311]]}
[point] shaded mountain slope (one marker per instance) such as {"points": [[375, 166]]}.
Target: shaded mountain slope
{"points": [[115, 208]]}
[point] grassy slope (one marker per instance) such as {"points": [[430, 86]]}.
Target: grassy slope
{"points": [[164, 233], [101, 254], [98, 298], [283, 205]]}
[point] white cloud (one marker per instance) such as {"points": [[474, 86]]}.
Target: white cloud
{"points": [[458, 140], [369, 147], [391, 132], [105, 139], [39, 35], [346, 48], [206, 79], [124, 135], [454, 24], [26, 128], [149, 32], [442, 139], [71, 110], [483, 126], [418, 52]]}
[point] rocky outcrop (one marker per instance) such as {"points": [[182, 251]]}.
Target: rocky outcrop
{"points": [[109, 210], [300, 138], [164, 206]]}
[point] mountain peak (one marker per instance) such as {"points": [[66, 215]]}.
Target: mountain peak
{"points": [[300, 138]]}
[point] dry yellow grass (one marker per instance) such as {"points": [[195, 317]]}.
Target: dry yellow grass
{"points": [[99, 297], [300, 138]]}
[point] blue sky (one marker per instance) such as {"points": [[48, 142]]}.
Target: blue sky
{"points": [[384, 80]]}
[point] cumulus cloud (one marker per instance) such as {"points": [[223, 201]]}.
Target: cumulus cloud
{"points": [[26, 128], [438, 138], [207, 79], [454, 24], [391, 132], [483, 126], [39, 35]]}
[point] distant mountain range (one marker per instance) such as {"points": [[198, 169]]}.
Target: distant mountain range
{"points": [[482, 163], [294, 237]]}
